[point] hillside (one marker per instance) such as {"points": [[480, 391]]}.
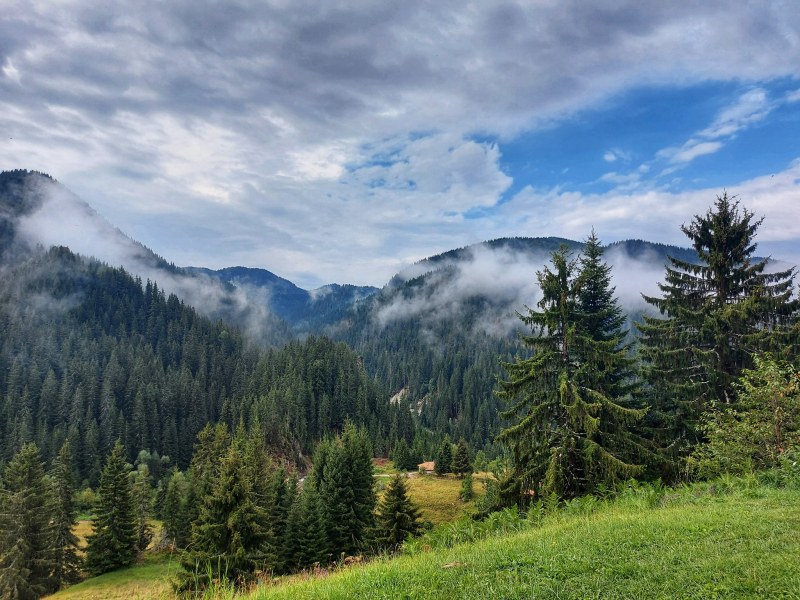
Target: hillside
{"points": [[730, 538], [698, 545]]}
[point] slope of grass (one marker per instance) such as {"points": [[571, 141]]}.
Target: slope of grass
{"points": [[438, 498], [743, 545], [151, 579]]}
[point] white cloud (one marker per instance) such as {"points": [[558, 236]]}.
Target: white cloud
{"points": [[252, 132], [751, 107], [692, 149], [653, 215]]}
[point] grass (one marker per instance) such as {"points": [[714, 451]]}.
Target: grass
{"points": [[731, 538], [438, 498], [741, 545], [150, 579]]}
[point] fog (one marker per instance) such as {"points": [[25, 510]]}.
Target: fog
{"points": [[64, 220], [507, 278]]}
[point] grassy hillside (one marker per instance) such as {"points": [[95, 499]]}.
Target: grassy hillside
{"points": [[728, 539], [743, 545]]}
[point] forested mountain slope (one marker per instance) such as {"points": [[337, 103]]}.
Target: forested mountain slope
{"points": [[91, 354]]}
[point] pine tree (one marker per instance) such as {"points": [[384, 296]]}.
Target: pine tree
{"points": [[27, 558], [397, 516], [359, 452], [559, 405], [401, 456], [291, 554], [174, 509], [112, 543], [313, 538], [142, 491], [444, 457], [67, 563], [715, 315], [336, 492], [461, 462], [230, 538]]}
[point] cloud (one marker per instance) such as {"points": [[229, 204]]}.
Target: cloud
{"points": [[62, 219], [654, 215], [691, 150], [253, 133], [508, 278]]}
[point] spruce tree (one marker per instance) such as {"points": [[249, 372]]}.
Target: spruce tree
{"points": [[401, 456], [466, 492], [27, 557], [142, 491], [559, 405], [397, 516], [444, 457], [113, 541], [291, 548], [336, 492], [174, 509], [313, 537], [359, 452], [715, 315], [461, 462], [231, 536], [67, 563]]}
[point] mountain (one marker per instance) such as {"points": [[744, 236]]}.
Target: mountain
{"points": [[38, 212], [305, 311]]}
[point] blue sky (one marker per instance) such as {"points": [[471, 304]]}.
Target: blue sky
{"points": [[340, 141]]}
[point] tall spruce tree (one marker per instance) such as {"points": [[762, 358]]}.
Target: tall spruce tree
{"points": [[142, 491], [461, 462], [336, 492], [113, 541], [359, 452], [715, 315], [560, 406], [27, 559], [230, 539], [312, 534], [174, 509], [444, 457], [67, 563], [397, 515]]}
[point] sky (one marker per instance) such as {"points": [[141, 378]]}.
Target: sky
{"points": [[341, 141]]}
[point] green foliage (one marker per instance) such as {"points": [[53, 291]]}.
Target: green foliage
{"points": [[461, 463], [403, 458], [343, 477], [312, 535], [444, 457], [571, 424], [231, 538], [397, 516], [175, 510], [142, 491], [714, 316], [101, 355], [67, 563], [762, 426], [27, 557], [113, 542], [466, 494]]}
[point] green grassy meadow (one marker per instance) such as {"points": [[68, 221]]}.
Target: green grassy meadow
{"points": [[743, 545], [729, 539]]}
